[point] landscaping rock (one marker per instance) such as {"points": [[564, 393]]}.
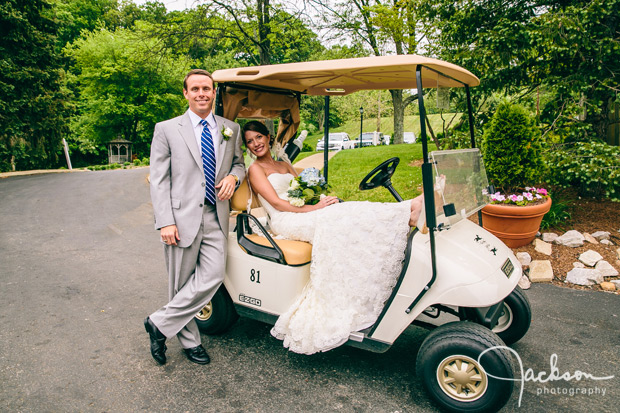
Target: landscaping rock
{"points": [[571, 238], [608, 286], [524, 258], [584, 276], [590, 258], [549, 236], [524, 282], [600, 235], [541, 271], [542, 247], [578, 264], [589, 238], [616, 283], [606, 269], [606, 242]]}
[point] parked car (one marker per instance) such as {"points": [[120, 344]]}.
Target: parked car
{"points": [[370, 139], [337, 141], [409, 137]]}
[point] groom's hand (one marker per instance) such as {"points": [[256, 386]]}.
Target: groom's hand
{"points": [[169, 235], [226, 188]]}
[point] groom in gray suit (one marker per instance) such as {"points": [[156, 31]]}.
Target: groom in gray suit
{"points": [[196, 165]]}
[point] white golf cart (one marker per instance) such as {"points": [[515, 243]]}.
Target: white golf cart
{"points": [[457, 278]]}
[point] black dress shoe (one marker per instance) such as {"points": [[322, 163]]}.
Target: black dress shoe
{"points": [[197, 355], [158, 341]]}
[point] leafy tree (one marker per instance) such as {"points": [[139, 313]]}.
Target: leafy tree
{"points": [[128, 13], [390, 27], [80, 16], [568, 49], [126, 84], [32, 100], [243, 33]]}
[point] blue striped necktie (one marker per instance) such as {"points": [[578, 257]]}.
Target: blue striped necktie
{"points": [[208, 161]]}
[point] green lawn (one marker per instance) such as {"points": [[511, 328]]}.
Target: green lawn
{"points": [[348, 167]]}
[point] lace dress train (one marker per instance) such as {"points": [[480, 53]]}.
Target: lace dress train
{"points": [[357, 254]]}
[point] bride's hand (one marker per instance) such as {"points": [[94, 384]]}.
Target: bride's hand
{"points": [[326, 201]]}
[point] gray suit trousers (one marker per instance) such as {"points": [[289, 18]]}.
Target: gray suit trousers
{"points": [[195, 273]]}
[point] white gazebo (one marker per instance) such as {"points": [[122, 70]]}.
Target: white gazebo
{"points": [[119, 151]]}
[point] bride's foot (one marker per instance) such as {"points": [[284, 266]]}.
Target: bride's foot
{"points": [[416, 208]]}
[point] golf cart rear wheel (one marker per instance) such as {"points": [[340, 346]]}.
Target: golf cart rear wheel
{"points": [[515, 318], [456, 373], [218, 315]]}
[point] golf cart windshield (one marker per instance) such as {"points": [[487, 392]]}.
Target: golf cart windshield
{"points": [[465, 183]]}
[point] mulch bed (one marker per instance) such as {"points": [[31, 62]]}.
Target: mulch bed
{"points": [[589, 216]]}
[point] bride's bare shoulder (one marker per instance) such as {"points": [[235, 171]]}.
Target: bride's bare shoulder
{"points": [[256, 169]]}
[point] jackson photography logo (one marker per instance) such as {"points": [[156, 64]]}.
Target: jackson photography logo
{"points": [[554, 375]]}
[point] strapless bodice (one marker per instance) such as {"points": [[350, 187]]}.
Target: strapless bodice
{"points": [[280, 183]]}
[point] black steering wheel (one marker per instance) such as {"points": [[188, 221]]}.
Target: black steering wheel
{"points": [[380, 176]]}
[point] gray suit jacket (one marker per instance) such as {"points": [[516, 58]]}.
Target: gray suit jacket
{"points": [[177, 177]]}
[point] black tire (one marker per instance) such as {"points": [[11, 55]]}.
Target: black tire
{"points": [[218, 315], [458, 346], [515, 320]]}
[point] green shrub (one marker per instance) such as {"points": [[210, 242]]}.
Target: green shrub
{"points": [[136, 162], [512, 150], [558, 215], [307, 148], [114, 166], [591, 167], [127, 163], [145, 161]]}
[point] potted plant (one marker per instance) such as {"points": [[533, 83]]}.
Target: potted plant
{"points": [[512, 151]]}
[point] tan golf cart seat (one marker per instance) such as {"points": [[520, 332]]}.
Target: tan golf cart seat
{"points": [[295, 252]]}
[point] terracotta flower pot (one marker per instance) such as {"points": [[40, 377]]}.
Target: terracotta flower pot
{"points": [[515, 225]]}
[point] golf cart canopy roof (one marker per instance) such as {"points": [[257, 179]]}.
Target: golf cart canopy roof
{"points": [[345, 76]]}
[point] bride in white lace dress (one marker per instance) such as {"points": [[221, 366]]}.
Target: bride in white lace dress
{"points": [[357, 252]]}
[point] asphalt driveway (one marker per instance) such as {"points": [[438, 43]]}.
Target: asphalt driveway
{"points": [[81, 266]]}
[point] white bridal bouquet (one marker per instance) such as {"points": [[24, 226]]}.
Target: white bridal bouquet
{"points": [[307, 188]]}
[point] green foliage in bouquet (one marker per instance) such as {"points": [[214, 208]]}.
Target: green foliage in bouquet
{"points": [[307, 188]]}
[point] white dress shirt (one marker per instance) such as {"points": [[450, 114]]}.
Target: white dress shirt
{"points": [[212, 125]]}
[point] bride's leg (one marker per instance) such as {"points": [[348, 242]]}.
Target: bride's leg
{"points": [[416, 208]]}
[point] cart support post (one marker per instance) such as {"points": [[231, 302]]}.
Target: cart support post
{"points": [[470, 112], [219, 103], [326, 138], [429, 190]]}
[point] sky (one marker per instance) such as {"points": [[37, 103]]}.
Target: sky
{"points": [[172, 4]]}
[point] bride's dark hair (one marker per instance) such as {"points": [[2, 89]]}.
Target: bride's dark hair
{"points": [[256, 126]]}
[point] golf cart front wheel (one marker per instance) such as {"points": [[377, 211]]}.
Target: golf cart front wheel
{"points": [[457, 372], [218, 315], [514, 320]]}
